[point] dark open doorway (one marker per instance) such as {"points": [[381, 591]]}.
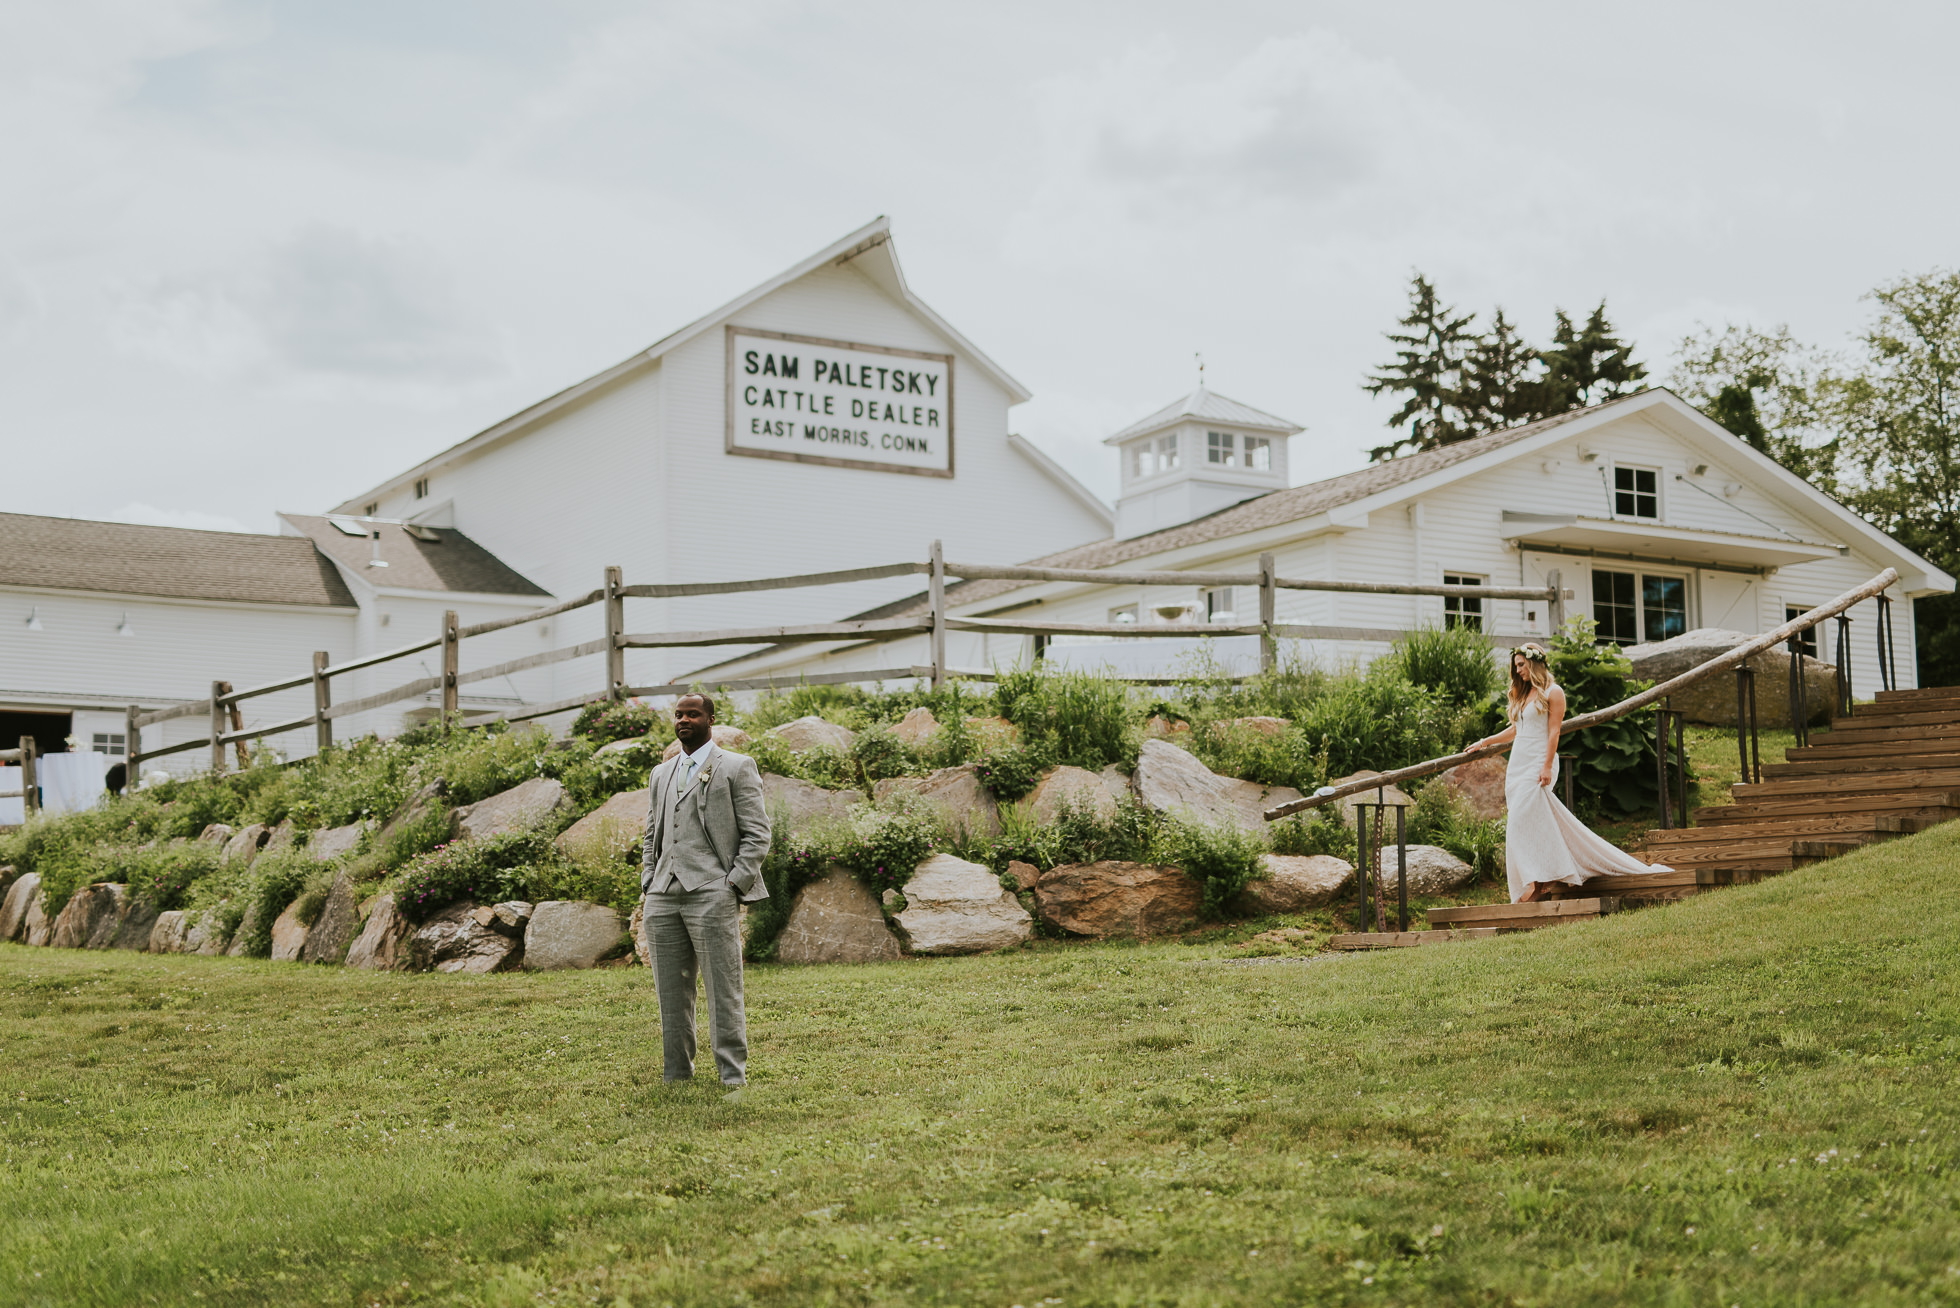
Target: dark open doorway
{"points": [[50, 730]]}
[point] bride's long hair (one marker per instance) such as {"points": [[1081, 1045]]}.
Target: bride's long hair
{"points": [[1537, 679]]}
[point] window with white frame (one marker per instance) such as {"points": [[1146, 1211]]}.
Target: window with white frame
{"points": [[1221, 449], [421, 488], [1807, 638], [113, 743], [1258, 454], [1151, 456], [1463, 610], [1219, 606], [1167, 453], [1636, 492]]}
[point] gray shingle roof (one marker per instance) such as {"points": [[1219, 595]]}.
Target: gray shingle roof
{"points": [[1268, 510], [1207, 405], [172, 562], [451, 562]]}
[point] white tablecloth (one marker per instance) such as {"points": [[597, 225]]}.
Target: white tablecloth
{"points": [[72, 782]]}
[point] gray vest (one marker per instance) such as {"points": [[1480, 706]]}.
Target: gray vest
{"points": [[688, 856]]}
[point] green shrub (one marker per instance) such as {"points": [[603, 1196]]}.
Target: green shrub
{"points": [[417, 835], [161, 875], [1439, 817], [1074, 718], [1079, 834], [1455, 663], [887, 842], [487, 871], [1321, 833], [1380, 722], [877, 754], [1615, 772], [604, 723], [1012, 771], [1223, 858], [1282, 758]]}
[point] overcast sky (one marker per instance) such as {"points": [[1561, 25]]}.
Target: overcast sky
{"points": [[258, 256]]}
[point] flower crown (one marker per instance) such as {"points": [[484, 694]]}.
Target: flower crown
{"points": [[1532, 651]]}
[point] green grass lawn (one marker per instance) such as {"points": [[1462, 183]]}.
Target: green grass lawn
{"points": [[1749, 1098]]}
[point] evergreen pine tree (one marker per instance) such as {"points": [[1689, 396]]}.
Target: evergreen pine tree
{"points": [[1499, 389], [1427, 371], [1586, 365]]}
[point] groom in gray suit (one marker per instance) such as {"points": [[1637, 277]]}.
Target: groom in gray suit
{"points": [[707, 831]]}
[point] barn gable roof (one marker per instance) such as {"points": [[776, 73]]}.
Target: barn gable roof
{"points": [[167, 562], [442, 559]]}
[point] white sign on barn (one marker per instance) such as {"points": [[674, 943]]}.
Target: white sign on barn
{"points": [[835, 402]]}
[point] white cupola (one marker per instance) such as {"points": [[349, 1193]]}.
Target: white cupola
{"points": [[1196, 456]]}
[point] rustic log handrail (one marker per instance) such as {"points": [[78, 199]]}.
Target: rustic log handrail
{"points": [[1720, 663]]}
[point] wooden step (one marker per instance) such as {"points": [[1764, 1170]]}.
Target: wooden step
{"points": [[1918, 716], [1916, 694], [1945, 806], [1410, 939], [1929, 780], [1826, 748], [1879, 762], [1544, 913], [1821, 825], [1806, 852], [1721, 853]]}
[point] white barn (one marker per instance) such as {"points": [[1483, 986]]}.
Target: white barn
{"points": [[827, 419], [1658, 520]]}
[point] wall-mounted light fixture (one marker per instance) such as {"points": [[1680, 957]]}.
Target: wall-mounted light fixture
{"points": [[123, 628], [34, 619]]}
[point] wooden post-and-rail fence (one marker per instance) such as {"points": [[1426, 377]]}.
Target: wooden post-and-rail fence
{"points": [[227, 725], [29, 793]]}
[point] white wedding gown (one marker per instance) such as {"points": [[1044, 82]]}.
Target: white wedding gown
{"points": [[1542, 840]]}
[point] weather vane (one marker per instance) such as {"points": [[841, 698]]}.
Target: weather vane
{"points": [[1201, 369]]}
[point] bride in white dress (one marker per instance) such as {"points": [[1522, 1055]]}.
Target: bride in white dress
{"points": [[1543, 843]]}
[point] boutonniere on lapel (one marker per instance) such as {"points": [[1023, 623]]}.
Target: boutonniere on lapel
{"points": [[707, 775]]}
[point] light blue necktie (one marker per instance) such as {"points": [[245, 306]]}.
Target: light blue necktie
{"points": [[687, 780]]}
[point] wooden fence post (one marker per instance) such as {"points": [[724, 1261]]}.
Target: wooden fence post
{"points": [[218, 691], [238, 724], [1555, 607], [322, 701], [30, 777], [1268, 608], [615, 628], [452, 654], [936, 598], [132, 748]]}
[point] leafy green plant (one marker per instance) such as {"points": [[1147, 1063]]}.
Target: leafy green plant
{"points": [[1286, 757], [487, 871], [1615, 772], [1320, 833], [632, 720], [878, 754], [1074, 718], [1079, 834], [1454, 663], [1440, 818], [1222, 857], [1012, 771]]}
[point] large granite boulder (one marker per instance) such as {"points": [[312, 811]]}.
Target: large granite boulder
{"points": [[727, 737], [956, 907], [327, 845], [91, 917], [8, 875], [1713, 700], [38, 929], [1067, 787], [802, 803], [283, 836], [812, 732], [1024, 875], [288, 935], [1160, 727], [217, 833], [836, 920], [1170, 780], [464, 938], [636, 927], [206, 935], [611, 829], [339, 921], [246, 842], [139, 920], [167, 936], [1433, 870], [1386, 794], [248, 926], [1111, 898], [1479, 784], [524, 805], [917, 728], [568, 933], [955, 793], [25, 891], [1297, 884], [382, 945]]}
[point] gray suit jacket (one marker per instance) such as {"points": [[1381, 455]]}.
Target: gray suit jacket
{"points": [[732, 814]]}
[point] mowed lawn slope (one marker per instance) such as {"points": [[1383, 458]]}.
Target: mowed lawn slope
{"points": [[1747, 1098]]}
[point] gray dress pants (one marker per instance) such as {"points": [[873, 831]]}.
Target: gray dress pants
{"points": [[690, 931]]}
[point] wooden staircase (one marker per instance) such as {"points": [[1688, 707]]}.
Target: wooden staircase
{"points": [[1890, 770]]}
